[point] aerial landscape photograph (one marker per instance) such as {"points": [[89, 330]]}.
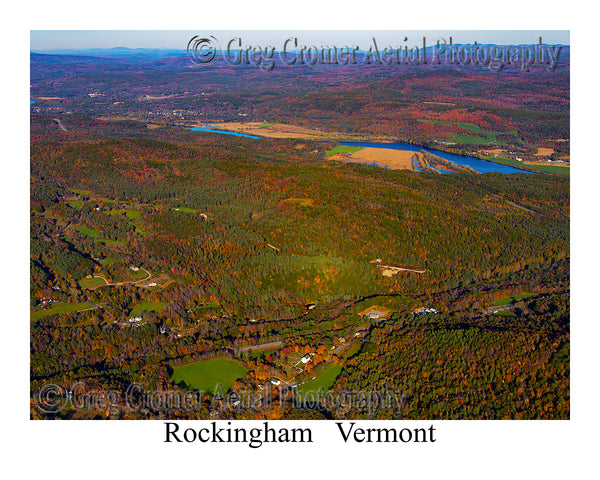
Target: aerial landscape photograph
{"points": [[300, 225]]}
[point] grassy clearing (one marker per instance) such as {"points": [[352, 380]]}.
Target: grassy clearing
{"points": [[354, 348], [147, 307], [486, 136], [540, 168], [80, 192], [470, 140], [303, 202], [130, 214], [206, 306], [506, 313], [109, 261], [187, 210], [76, 205], [343, 149], [264, 125], [95, 234], [108, 241], [514, 299], [207, 375], [551, 169], [91, 282], [138, 275], [141, 231], [87, 231], [60, 308], [324, 380], [504, 161]]}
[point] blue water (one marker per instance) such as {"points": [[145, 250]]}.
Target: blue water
{"points": [[31, 100], [210, 129], [481, 166]]}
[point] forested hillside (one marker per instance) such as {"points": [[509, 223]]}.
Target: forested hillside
{"points": [[179, 246]]}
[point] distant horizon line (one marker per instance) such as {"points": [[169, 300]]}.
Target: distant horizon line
{"points": [[179, 49]]}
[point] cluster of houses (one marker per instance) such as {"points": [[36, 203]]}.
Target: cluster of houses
{"points": [[45, 302], [424, 311]]}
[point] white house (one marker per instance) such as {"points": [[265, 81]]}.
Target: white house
{"points": [[374, 314]]}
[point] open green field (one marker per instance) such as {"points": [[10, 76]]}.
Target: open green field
{"points": [[59, 308], [506, 313], [80, 192], [108, 241], [207, 375], [147, 307], [354, 348], [109, 261], [343, 149], [91, 282], [76, 205], [324, 380], [95, 234], [141, 231], [206, 306], [134, 276], [516, 298], [303, 202], [87, 231], [470, 140], [540, 168], [264, 125], [551, 169], [504, 161], [490, 135], [130, 214]]}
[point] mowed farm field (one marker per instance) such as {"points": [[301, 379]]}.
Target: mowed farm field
{"points": [[383, 157], [60, 308], [147, 307], [207, 375], [323, 381], [271, 130]]}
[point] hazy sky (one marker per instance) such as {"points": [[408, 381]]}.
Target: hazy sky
{"points": [[59, 39]]}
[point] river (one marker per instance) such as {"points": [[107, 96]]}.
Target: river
{"points": [[480, 166], [208, 128]]}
